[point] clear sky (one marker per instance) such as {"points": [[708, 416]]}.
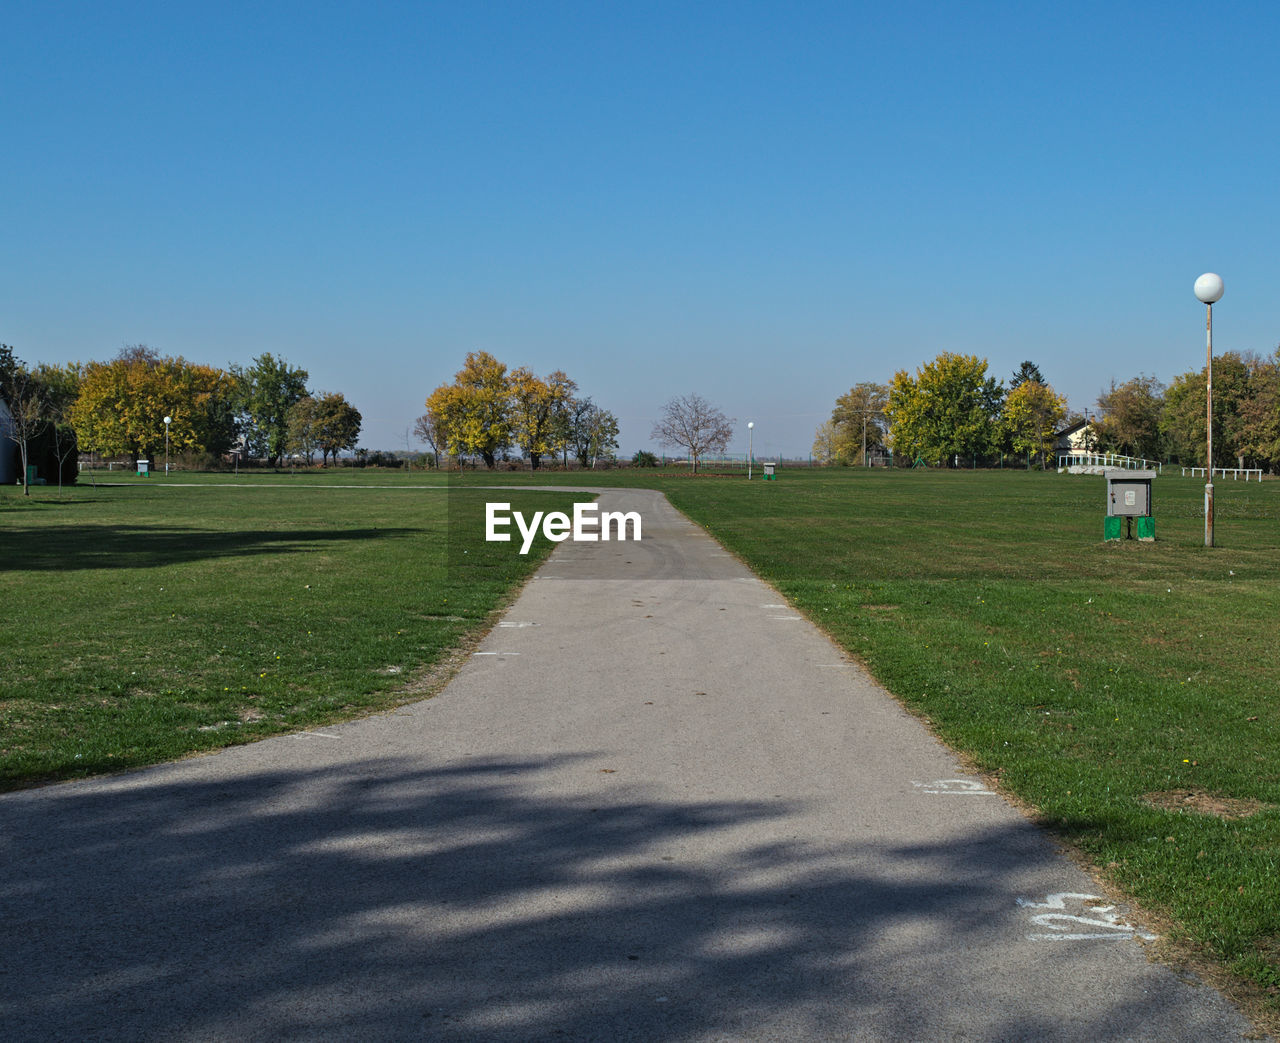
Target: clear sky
{"points": [[761, 202]]}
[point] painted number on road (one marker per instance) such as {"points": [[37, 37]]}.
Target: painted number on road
{"points": [[1069, 917]]}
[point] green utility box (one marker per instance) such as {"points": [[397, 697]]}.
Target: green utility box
{"points": [[1129, 499], [144, 468], [769, 476]]}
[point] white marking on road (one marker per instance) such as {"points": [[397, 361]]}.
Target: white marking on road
{"points": [[786, 617], [495, 653], [775, 606], [513, 623], [1105, 922], [964, 787], [319, 735]]}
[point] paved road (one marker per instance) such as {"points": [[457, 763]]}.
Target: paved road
{"points": [[655, 805]]}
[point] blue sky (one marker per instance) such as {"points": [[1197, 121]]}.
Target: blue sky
{"points": [[765, 203]]}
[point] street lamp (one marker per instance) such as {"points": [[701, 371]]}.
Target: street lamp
{"points": [[167, 421], [1209, 290], [751, 425]]}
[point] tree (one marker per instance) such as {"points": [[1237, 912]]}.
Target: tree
{"points": [[1130, 421], [337, 426], [26, 401], [1032, 414], [826, 443], [122, 405], [593, 433], [302, 429], [949, 408], [1028, 371], [1182, 420], [562, 418], [859, 420], [9, 366], [427, 429], [61, 386], [267, 390], [40, 401], [693, 423], [536, 406], [1260, 415], [473, 414]]}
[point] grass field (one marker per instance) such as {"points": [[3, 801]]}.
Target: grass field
{"points": [[1130, 692], [145, 621], [1126, 691]]}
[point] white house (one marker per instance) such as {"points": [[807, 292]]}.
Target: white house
{"points": [[1073, 439]]}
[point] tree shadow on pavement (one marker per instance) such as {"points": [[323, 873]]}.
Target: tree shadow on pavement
{"points": [[381, 900]]}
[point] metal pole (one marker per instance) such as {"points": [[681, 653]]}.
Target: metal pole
{"points": [[1208, 489]]}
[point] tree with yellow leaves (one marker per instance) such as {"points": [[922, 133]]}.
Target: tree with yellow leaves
{"points": [[473, 414], [536, 409], [1033, 412], [122, 405]]}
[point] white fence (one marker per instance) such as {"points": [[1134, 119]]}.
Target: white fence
{"points": [[1096, 463], [1235, 472]]}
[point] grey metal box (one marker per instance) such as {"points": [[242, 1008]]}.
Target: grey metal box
{"points": [[1129, 493]]}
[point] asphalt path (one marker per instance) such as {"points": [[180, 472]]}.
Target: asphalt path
{"points": [[655, 804]]}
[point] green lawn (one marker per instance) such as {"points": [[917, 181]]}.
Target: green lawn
{"points": [[1127, 691], [145, 621], [1116, 687]]}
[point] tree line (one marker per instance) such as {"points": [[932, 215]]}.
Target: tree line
{"points": [[489, 411], [118, 408], [1143, 417], [951, 409]]}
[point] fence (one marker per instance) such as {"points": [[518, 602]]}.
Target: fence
{"points": [[1235, 472], [1095, 463]]}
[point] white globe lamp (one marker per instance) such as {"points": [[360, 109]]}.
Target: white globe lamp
{"points": [[1208, 291]]}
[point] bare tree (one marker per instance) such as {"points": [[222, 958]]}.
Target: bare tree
{"points": [[693, 423], [27, 416], [427, 429]]}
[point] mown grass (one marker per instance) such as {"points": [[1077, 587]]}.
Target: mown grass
{"points": [[1098, 681], [146, 621]]}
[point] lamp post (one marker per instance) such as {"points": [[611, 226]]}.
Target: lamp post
{"points": [[1208, 290], [751, 426], [167, 421]]}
